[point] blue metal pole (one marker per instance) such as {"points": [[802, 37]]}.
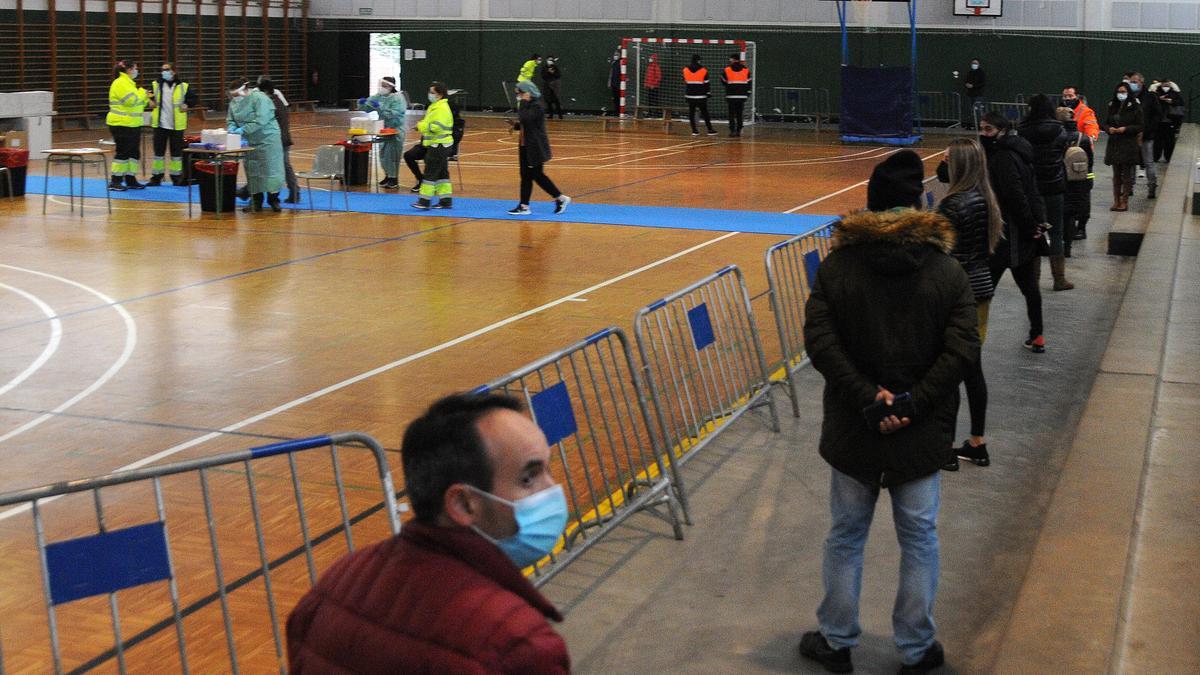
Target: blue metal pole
{"points": [[841, 9]]}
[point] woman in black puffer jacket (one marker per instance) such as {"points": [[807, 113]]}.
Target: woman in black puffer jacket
{"points": [[1010, 168], [1123, 152], [1049, 140], [971, 207]]}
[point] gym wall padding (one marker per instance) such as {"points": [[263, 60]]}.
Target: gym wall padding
{"points": [[478, 55]]}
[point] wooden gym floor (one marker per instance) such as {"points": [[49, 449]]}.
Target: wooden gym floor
{"points": [[146, 336]]}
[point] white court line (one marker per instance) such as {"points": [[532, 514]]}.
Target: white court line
{"points": [[51, 346], [858, 184], [130, 342], [4, 515]]}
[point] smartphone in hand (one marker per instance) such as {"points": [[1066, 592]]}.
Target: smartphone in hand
{"points": [[901, 407]]}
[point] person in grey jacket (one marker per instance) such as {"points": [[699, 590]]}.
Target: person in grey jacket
{"points": [[533, 150]]}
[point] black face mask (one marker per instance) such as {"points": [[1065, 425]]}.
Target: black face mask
{"points": [[1070, 102], [989, 142]]}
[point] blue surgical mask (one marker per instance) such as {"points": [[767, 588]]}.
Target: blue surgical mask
{"points": [[1122, 96], [1135, 87], [168, 75], [974, 66], [433, 98], [134, 73], [541, 518]]}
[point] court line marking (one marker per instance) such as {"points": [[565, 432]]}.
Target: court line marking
{"points": [[180, 447], [51, 346], [860, 183], [126, 353]]}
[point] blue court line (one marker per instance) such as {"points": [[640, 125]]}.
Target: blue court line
{"points": [[399, 204]]}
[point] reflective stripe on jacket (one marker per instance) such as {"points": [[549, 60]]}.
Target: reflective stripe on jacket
{"points": [[737, 82], [178, 94], [126, 103], [437, 125], [695, 82]]}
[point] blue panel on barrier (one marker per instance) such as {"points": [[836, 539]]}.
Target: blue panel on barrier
{"points": [[701, 323], [812, 261], [109, 562], [553, 413]]}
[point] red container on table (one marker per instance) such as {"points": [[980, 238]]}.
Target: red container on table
{"points": [[16, 160]]}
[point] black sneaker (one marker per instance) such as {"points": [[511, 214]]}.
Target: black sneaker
{"points": [[934, 657], [561, 204], [443, 204], [975, 454], [116, 186], [712, 132], [131, 183], [952, 465], [814, 646], [421, 204], [155, 180], [385, 181], [519, 210], [415, 189]]}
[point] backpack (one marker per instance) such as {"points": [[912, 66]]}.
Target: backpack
{"points": [[1076, 160]]}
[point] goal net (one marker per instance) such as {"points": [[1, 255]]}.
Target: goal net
{"points": [[639, 96]]}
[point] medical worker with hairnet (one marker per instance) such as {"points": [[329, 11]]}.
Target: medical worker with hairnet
{"points": [[391, 108]]}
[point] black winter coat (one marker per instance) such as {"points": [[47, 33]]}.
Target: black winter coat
{"points": [[1152, 114], [532, 115], [281, 116], [1124, 148], [968, 213], [1010, 165], [1049, 141], [890, 308], [976, 79]]}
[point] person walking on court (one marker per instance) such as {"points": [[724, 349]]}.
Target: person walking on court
{"points": [[533, 150], [891, 325], [1079, 161], [736, 79], [552, 86], [971, 207], [614, 82], [282, 117], [1123, 152], [390, 108], [974, 82], [252, 115], [1045, 133], [447, 595], [437, 135], [171, 98], [126, 103], [1010, 167], [696, 91]]}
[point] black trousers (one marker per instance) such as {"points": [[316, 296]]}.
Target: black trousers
{"points": [[1026, 277], [700, 104], [616, 101], [165, 137], [411, 158], [534, 174], [1164, 139], [553, 102], [736, 108], [128, 141]]}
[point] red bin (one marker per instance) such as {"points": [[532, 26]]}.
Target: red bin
{"points": [[16, 160], [206, 175]]}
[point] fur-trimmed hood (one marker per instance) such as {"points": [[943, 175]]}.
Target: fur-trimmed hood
{"points": [[896, 241]]}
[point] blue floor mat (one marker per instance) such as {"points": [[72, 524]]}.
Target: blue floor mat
{"points": [[580, 211]]}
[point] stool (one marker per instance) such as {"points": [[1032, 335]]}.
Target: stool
{"points": [[72, 156]]}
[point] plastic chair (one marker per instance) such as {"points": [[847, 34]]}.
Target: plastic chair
{"points": [[330, 165]]}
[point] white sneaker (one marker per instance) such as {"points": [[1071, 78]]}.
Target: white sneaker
{"points": [[519, 210], [560, 204], [1141, 173]]}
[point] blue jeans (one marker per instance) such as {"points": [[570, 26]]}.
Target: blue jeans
{"points": [[914, 512]]}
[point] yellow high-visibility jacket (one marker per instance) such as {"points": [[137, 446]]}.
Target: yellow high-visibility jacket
{"points": [[126, 103]]}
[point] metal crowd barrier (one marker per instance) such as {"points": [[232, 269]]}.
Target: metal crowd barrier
{"points": [[800, 104], [169, 555], [588, 401], [791, 270], [1056, 99], [940, 107], [703, 361], [1012, 111]]}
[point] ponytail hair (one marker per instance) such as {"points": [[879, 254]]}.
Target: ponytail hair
{"points": [[122, 66]]}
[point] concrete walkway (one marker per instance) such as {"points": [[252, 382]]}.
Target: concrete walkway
{"points": [[1075, 551]]}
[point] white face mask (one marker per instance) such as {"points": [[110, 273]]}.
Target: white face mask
{"points": [[433, 98], [1122, 96], [974, 66], [134, 73]]}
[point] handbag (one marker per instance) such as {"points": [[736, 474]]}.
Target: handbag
{"points": [[1041, 243]]}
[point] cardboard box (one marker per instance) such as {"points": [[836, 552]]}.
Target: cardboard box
{"points": [[16, 139]]}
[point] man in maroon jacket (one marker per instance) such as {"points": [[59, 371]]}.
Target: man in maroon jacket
{"points": [[447, 594]]}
